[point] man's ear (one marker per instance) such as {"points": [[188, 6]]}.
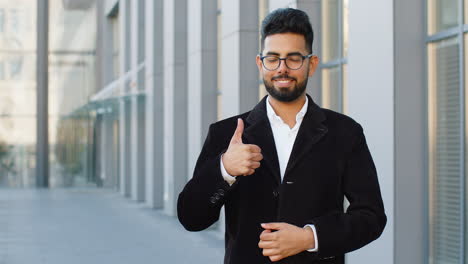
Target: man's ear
{"points": [[313, 64], [259, 63]]}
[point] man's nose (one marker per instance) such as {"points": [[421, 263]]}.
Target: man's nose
{"points": [[282, 67]]}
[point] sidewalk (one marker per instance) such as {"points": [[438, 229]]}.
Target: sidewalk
{"points": [[68, 226]]}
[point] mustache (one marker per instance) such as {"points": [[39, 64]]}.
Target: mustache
{"points": [[284, 76]]}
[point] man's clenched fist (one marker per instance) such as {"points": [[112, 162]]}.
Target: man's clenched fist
{"points": [[241, 159]]}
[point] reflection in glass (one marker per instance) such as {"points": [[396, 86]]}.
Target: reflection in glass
{"points": [[442, 15], [17, 93], [331, 89], [72, 120], [444, 152], [330, 30]]}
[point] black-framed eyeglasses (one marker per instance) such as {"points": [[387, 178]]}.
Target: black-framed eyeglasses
{"points": [[293, 61]]}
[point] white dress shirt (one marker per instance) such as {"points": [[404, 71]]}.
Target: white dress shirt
{"points": [[284, 137]]}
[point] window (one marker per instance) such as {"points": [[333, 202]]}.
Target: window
{"points": [[16, 64], [334, 51], [443, 13], [2, 20], [444, 151], [2, 70], [446, 131], [14, 20]]}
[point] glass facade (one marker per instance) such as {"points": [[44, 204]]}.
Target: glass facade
{"points": [[447, 132], [442, 15], [334, 43], [331, 30], [445, 152], [17, 93], [72, 120], [331, 93]]}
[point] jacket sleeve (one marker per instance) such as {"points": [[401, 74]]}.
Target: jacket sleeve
{"points": [[200, 202], [341, 232]]}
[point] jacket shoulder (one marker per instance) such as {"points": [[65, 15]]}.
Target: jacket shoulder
{"points": [[229, 122], [340, 120]]}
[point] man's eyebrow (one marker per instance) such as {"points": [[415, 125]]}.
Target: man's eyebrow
{"points": [[289, 54], [294, 53]]}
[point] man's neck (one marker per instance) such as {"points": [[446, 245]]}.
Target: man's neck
{"points": [[287, 110]]}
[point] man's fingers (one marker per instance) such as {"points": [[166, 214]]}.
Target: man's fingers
{"points": [[270, 252], [237, 137], [254, 148], [266, 244], [267, 235], [273, 226], [254, 164], [276, 258], [249, 172], [256, 157]]}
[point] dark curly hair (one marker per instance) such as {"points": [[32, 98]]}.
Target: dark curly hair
{"points": [[288, 20]]}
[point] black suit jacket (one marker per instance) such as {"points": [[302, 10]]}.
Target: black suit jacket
{"points": [[330, 160]]}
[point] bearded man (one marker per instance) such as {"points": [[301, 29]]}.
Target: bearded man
{"points": [[283, 169]]}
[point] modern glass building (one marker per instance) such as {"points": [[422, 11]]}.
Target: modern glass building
{"points": [[119, 94]]}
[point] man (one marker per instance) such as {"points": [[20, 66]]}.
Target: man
{"points": [[282, 170]]}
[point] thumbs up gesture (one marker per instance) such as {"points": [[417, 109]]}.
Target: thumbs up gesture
{"points": [[241, 159]]}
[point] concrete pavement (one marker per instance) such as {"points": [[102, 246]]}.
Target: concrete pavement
{"points": [[68, 226]]}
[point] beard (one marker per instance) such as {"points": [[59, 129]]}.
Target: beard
{"points": [[285, 94]]}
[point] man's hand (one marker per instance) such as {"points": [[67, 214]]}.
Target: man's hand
{"points": [[288, 240], [241, 159]]}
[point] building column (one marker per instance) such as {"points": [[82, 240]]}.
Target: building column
{"points": [[42, 108], [124, 104], [154, 66], [240, 41], [175, 101], [411, 223], [202, 75], [371, 103], [137, 116], [154, 104]]}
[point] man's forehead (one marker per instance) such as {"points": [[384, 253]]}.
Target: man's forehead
{"points": [[283, 43]]}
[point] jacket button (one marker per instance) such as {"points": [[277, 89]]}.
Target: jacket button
{"points": [[275, 193], [213, 200], [216, 196], [221, 192]]}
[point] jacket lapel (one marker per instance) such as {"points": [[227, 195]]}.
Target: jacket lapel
{"points": [[258, 132], [310, 132]]}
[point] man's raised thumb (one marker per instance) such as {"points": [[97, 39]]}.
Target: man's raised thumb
{"points": [[237, 137]]}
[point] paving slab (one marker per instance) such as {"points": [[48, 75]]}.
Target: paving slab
{"points": [[94, 226]]}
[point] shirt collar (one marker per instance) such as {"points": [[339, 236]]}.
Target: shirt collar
{"points": [[275, 118]]}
